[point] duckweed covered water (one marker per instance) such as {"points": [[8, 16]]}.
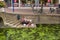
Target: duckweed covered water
{"points": [[43, 32]]}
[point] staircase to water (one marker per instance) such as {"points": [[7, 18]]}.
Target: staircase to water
{"points": [[13, 22]]}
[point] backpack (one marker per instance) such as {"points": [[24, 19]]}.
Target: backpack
{"points": [[18, 17]]}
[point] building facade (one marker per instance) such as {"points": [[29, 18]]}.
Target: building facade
{"points": [[28, 3]]}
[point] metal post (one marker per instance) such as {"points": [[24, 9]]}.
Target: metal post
{"points": [[51, 1], [41, 7], [26, 1], [36, 3], [13, 5], [59, 1], [19, 2]]}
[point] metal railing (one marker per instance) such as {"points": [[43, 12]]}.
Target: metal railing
{"points": [[42, 11]]}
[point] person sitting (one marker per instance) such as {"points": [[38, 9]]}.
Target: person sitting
{"points": [[25, 21]]}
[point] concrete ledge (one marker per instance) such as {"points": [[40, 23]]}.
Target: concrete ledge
{"points": [[36, 18], [30, 7]]}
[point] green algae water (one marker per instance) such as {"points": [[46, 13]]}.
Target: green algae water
{"points": [[43, 32]]}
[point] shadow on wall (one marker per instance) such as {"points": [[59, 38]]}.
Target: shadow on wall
{"points": [[1, 22]]}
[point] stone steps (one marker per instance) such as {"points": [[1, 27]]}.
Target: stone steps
{"points": [[12, 21], [15, 23]]}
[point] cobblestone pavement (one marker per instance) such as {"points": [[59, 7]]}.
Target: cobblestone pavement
{"points": [[20, 11], [23, 11]]}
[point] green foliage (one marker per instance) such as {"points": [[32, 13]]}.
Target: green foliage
{"points": [[2, 4], [44, 32]]}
